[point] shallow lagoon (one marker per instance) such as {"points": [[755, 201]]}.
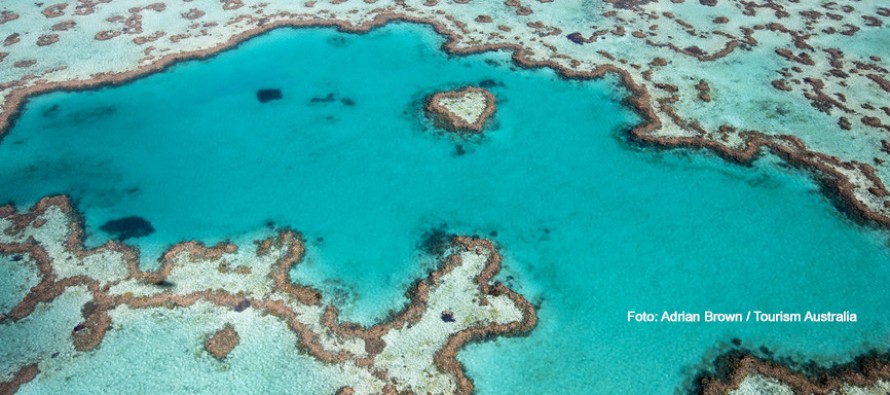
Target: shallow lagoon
{"points": [[590, 225]]}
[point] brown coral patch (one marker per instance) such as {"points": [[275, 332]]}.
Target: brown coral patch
{"points": [[735, 366], [193, 14], [12, 39], [6, 16], [107, 35], [157, 7], [47, 39], [22, 376], [55, 10], [658, 62], [232, 5], [880, 81], [63, 26], [704, 91], [25, 63], [222, 342], [781, 85], [345, 391]]}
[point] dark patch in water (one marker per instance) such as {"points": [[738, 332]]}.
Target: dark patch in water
{"points": [[493, 233], [545, 234], [165, 284], [846, 211], [338, 41], [92, 115], [326, 99], [447, 316], [492, 62], [330, 118], [51, 111], [128, 227], [436, 241], [17, 258], [736, 341], [133, 191], [695, 50], [319, 239], [537, 303], [490, 83], [340, 293], [79, 327], [267, 95], [55, 354], [330, 98], [576, 38], [459, 150], [763, 181], [242, 305]]}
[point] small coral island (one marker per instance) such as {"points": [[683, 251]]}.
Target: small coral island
{"points": [[462, 111]]}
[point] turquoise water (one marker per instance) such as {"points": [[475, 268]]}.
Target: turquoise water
{"points": [[590, 225]]}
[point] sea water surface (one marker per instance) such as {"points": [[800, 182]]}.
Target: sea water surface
{"points": [[590, 225]]}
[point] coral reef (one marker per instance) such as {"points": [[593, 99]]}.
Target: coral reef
{"points": [[414, 350], [222, 342], [464, 110], [741, 373], [807, 81]]}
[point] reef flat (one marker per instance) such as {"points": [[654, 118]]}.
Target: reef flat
{"points": [[86, 294], [805, 80], [744, 374]]}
